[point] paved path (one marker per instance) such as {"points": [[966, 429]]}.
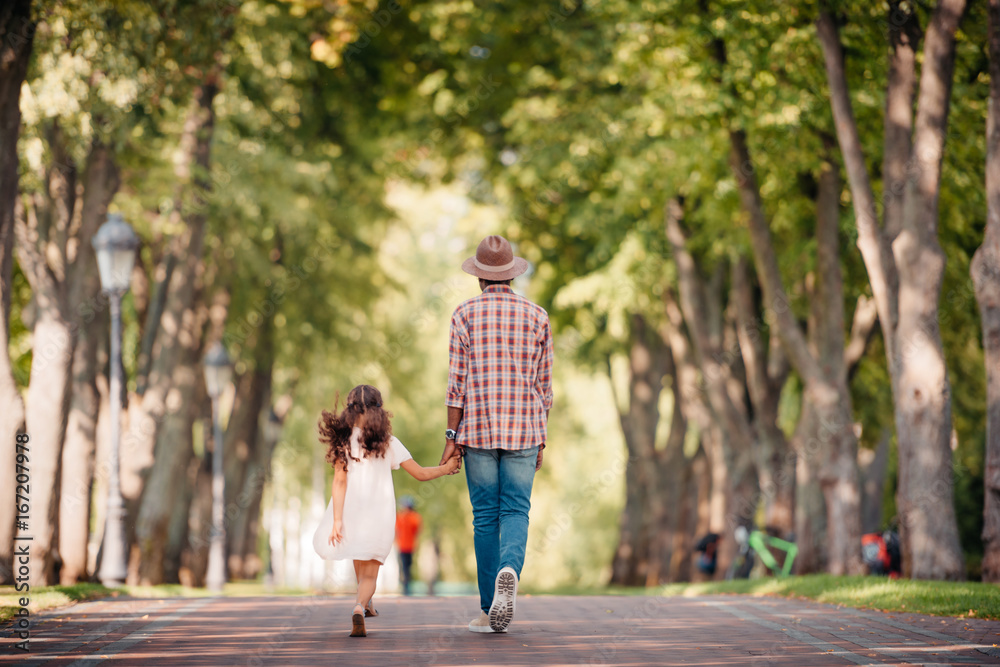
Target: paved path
{"points": [[552, 631]]}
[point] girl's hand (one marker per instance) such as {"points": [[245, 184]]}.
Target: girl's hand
{"points": [[337, 535], [452, 465]]}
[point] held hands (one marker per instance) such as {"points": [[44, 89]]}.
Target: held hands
{"points": [[337, 534], [452, 465], [452, 452]]}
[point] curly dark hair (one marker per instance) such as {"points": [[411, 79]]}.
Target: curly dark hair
{"points": [[363, 410]]}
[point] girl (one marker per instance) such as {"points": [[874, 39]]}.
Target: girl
{"points": [[361, 517]]}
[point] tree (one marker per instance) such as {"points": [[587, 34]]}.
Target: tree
{"points": [[824, 373], [167, 404], [905, 266], [17, 31], [698, 302], [985, 271]]}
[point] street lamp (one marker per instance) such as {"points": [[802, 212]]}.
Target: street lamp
{"points": [[217, 375], [115, 245], [272, 435]]}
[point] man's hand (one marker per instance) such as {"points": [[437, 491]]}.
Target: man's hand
{"points": [[451, 450], [538, 462]]}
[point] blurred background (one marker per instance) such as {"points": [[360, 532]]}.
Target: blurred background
{"points": [[766, 235]]}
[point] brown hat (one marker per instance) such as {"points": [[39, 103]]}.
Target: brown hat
{"points": [[495, 260]]}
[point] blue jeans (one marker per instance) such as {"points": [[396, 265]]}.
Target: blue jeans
{"points": [[500, 491]]}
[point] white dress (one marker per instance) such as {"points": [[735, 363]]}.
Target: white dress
{"points": [[369, 507]]}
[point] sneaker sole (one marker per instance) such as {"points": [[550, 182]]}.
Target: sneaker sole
{"points": [[504, 598]]}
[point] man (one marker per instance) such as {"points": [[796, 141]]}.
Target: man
{"points": [[407, 526], [499, 396]]}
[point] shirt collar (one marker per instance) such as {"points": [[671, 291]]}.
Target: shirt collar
{"points": [[498, 289]]}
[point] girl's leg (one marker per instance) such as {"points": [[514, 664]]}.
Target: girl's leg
{"points": [[367, 575], [357, 578]]}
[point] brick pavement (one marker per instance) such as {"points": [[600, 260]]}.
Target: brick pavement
{"points": [[627, 631]]}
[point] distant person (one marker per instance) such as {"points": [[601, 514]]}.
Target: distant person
{"points": [[358, 524], [407, 527], [499, 396], [708, 547]]}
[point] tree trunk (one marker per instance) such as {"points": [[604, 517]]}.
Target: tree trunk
{"points": [[626, 566], [702, 489], [925, 494], [167, 417], [872, 242], [986, 278], [100, 184], [78, 458], [46, 410], [874, 464], [706, 484], [194, 558], [639, 560], [671, 465], [46, 256], [165, 494], [243, 439], [17, 32], [904, 36], [810, 504], [685, 531], [258, 473], [766, 375], [178, 538], [245, 498]]}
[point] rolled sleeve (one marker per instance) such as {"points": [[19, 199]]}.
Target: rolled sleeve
{"points": [[458, 363], [543, 383]]}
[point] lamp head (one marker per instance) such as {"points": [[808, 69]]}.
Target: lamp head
{"points": [[115, 244], [218, 370]]}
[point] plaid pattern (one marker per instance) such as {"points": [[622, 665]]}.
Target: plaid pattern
{"points": [[500, 370]]}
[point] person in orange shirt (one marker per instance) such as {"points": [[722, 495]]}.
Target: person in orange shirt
{"points": [[407, 526]]}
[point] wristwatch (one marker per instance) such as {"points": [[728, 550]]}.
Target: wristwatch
{"points": [[450, 434]]}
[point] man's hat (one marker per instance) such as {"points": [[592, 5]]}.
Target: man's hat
{"points": [[495, 260]]}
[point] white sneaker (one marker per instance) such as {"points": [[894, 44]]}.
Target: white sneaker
{"points": [[481, 624], [504, 600]]}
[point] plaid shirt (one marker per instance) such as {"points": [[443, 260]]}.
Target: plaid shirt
{"points": [[500, 370]]}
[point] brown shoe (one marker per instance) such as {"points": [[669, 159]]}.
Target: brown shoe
{"points": [[370, 611], [358, 630]]}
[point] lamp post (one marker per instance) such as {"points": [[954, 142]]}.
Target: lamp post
{"points": [[272, 429], [115, 245], [217, 375]]}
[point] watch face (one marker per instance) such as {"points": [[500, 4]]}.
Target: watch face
{"points": [[450, 434]]}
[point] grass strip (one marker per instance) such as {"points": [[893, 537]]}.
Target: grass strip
{"points": [[50, 597], [962, 599], [53, 597]]}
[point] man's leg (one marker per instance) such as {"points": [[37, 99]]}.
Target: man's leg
{"points": [[482, 470], [517, 474]]}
